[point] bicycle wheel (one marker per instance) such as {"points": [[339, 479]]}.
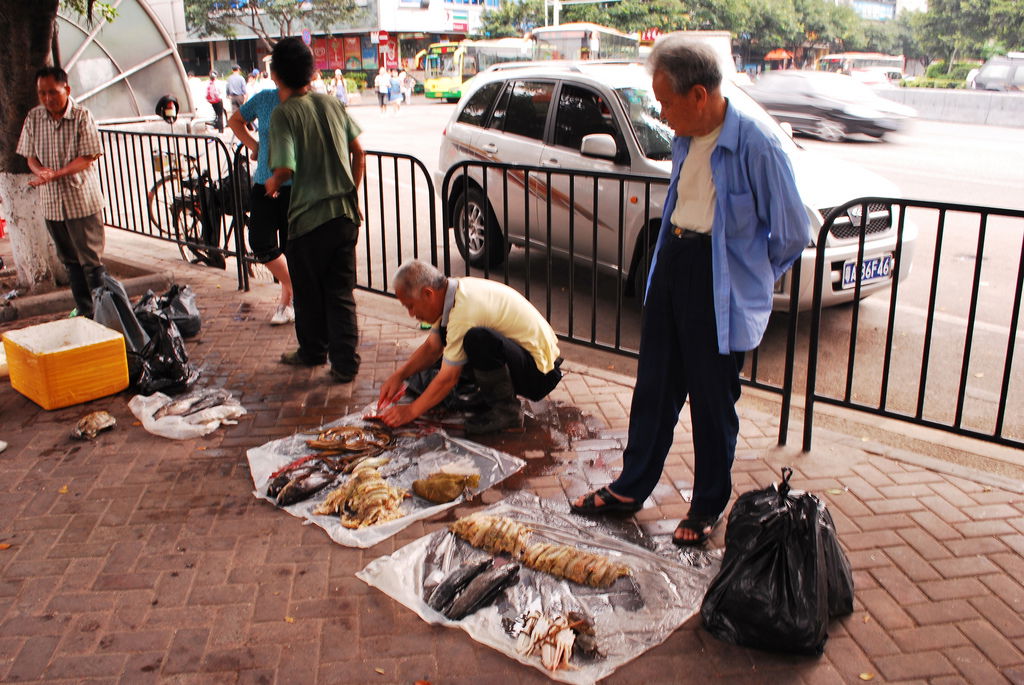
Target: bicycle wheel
{"points": [[161, 202], [188, 229]]}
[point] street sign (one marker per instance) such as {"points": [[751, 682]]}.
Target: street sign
{"points": [[382, 36], [307, 37]]}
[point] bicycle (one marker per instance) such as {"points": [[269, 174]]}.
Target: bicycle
{"points": [[174, 167], [198, 206]]}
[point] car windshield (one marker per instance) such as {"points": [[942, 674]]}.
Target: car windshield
{"points": [[655, 136]]}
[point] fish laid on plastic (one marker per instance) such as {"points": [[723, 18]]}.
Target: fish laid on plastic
{"points": [[299, 480], [91, 424], [572, 563], [483, 590], [444, 594], [193, 402], [444, 487], [492, 533], [364, 499]]}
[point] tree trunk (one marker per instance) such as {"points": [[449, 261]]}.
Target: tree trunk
{"points": [[25, 33]]}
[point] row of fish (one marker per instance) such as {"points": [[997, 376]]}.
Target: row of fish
{"points": [[472, 586], [497, 534]]}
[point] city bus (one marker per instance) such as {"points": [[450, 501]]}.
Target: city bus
{"points": [[848, 62], [584, 41], [447, 65]]}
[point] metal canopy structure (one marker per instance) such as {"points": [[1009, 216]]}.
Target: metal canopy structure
{"points": [[120, 69]]}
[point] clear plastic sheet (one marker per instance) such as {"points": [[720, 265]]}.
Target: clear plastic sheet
{"points": [[665, 588], [415, 453]]}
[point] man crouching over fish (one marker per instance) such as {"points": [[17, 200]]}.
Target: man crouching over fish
{"points": [[480, 324]]}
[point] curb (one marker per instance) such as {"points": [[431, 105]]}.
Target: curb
{"points": [[61, 300]]}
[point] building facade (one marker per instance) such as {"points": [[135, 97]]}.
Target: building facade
{"points": [[386, 33]]}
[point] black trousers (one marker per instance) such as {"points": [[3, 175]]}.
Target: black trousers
{"points": [[322, 265], [678, 359], [487, 349], [218, 115]]}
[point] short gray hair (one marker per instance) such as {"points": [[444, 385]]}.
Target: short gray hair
{"points": [[686, 63], [415, 275]]}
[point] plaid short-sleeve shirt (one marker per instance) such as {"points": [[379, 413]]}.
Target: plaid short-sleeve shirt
{"points": [[56, 144]]}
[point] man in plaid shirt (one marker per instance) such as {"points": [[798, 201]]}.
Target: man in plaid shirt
{"points": [[61, 143]]}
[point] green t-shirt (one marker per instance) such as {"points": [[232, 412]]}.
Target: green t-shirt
{"points": [[310, 134]]}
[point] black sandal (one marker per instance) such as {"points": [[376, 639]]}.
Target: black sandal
{"points": [[703, 526], [612, 504]]}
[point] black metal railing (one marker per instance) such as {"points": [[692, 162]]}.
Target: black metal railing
{"points": [[188, 189], [944, 346], [399, 208], [578, 244]]}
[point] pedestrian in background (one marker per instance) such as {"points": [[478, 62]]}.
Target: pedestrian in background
{"points": [[236, 88], [394, 92], [317, 85], [382, 84], [268, 216], [60, 141], [733, 225], [338, 87], [408, 83], [215, 100], [314, 143]]}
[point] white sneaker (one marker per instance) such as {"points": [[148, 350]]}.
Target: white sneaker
{"points": [[282, 315]]}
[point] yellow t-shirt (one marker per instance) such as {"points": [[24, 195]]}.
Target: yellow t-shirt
{"points": [[479, 302]]}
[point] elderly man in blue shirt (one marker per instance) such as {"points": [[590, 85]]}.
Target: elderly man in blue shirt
{"points": [[733, 224]]}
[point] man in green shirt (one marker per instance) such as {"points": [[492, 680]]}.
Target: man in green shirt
{"points": [[314, 143]]}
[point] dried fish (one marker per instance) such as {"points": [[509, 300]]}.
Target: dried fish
{"points": [[572, 563], [444, 594], [193, 402], [483, 590], [444, 487], [91, 424], [364, 499], [492, 533]]}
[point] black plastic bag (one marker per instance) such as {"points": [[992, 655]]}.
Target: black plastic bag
{"points": [[162, 365], [179, 305], [781, 568], [113, 309]]}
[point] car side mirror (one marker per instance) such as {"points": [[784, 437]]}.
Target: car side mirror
{"points": [[599, 145]]}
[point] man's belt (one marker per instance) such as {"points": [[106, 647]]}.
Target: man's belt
{"points": [[688, 235]]}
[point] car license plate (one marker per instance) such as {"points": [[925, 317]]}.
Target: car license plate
{"points": [[873, 269]]}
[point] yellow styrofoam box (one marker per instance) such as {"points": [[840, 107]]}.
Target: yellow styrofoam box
{"points": [[66, 362]]}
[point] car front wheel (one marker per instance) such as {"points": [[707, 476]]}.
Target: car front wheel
{"points": [[831, 131], [477, 234]]}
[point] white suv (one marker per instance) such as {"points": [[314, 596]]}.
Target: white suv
{"points": [[602, 117]]}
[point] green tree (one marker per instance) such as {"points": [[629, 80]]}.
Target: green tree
{"points": [[266, 18], [1006, 19], [953, 28], [512, 19]]}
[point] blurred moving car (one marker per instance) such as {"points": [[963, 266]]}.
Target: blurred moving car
{"points": [[830, 106], [878, 77], [1002, 73], [604, 118]]}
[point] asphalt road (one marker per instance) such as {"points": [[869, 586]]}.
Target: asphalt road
{"points": [[934, 161]]}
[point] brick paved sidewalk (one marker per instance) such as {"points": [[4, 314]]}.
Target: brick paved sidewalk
{"points": [[137, 559]]}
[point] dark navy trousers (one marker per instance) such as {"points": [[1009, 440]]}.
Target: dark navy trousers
{"points": [[679, 359]]}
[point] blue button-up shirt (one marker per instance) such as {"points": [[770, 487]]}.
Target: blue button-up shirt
{"points": [[759, 230]]}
